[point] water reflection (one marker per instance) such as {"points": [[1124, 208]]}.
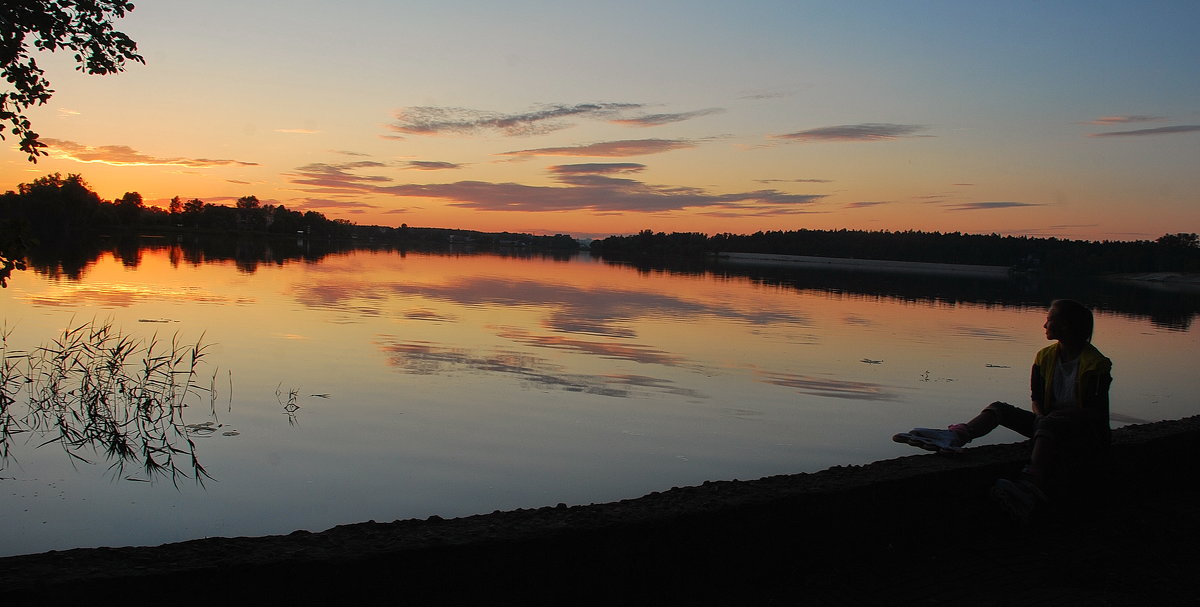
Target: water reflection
{"points": [[424, 358], [95, 390], [830, 387], [614, 351], [1165, 307], [589, 312], [126, 295], [469, 383], [569, 309]]}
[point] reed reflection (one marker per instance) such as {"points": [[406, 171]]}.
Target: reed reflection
{"points": [[96, 391]]}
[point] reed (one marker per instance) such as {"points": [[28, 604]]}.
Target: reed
{"points": [[97, 392]]}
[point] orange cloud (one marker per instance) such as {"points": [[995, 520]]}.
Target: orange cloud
{"points": [[123, 155]]}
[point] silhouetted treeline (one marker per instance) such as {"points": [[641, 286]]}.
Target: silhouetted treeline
{"points": [[1171, 252], [58, 211], [249, 252]]}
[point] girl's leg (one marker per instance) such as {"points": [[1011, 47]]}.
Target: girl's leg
{"points": [[998, 414]]}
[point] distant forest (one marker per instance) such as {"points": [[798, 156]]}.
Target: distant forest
{"points": [[62, 212], [1169, 253]]}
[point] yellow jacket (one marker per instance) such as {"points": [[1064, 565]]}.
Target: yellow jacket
{"points": [[1091, 385]]}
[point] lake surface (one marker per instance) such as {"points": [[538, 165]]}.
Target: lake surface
{"points": [[457, 384]]}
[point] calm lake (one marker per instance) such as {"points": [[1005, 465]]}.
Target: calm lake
{"points": [[381, 385]]}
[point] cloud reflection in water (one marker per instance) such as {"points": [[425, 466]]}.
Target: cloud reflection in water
{"points": [[833, 388], [616, 351], [425, 358], [570, 309]]}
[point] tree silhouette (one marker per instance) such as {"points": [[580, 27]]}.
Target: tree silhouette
{"points": [[129, 208], [83, 27]]}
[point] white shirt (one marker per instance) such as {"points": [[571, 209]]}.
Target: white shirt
{"points": [[1065, 372]]}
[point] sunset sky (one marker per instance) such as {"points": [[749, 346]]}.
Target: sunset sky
{"points": [[1068, 118]]}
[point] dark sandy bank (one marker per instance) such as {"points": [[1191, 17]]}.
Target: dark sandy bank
{"points": [[913, 530]]}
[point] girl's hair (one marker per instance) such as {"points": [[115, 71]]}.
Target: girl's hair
{"points": [[1076, 317]]}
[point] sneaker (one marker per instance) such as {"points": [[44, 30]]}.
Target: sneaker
{"points": [[1019, 498], [930, 439]]}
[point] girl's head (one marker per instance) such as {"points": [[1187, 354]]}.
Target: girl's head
{"points": [[1069, 321]]}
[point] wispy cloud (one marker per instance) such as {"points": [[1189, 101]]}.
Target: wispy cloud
{"points": [[597, 168], [793, 180], [323, 204], [625, 147], [1163, 130], [1110, 120], [123, 155], [661, 119], [983, 206], [337, 178], [759, 94], [431, 165], [599, 195], [430, 120], [862, 204], [580, 190], [870, 131]]}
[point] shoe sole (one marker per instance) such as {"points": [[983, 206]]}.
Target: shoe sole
{"points": [[924, 443]]}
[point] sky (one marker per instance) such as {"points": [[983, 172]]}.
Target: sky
{"points": [[1070, 119]]}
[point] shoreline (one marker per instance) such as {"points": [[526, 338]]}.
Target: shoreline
{"points": [[1165, 281], [873, 265], [848, 533]]}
